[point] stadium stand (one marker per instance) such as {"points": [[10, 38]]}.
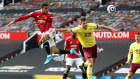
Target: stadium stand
{"points": [[124, 3], [123, 20], [30, 63], [60, 19], [53, 4]]}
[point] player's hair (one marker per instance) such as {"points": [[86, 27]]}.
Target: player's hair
{"points": [[43, 4], [137, 33], [82, 19]]}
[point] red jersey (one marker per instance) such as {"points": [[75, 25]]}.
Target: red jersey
{"points": [[43, 20], [72, 43]]}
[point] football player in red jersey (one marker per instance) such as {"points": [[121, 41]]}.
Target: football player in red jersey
{"points": [[73, 42], [44, 20]]}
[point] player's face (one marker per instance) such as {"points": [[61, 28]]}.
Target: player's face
{"points": [[84, 24], [137, 37], [45, 9], [73, 35]]}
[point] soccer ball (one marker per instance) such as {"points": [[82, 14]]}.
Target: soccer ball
{"points": [[111, 9]]}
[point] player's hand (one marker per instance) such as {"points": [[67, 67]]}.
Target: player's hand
{"points": [[63, 61], [114, 30], [8, 26], [128, 62], [10, 23], [56, 29]]}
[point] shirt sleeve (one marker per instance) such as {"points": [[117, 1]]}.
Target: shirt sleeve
{"points": [[75, 30], [50, 19], [130, 52], [94, 26], [25, 17]]}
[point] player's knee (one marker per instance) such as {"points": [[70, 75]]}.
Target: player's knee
{"points": [[90, 64], [129, 75]]}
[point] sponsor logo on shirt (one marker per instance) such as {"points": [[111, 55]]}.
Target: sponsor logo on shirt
{"points": [[51, 17], [41, 21], [137, 51], [74, 46]]}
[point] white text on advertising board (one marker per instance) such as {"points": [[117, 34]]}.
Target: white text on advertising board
{"points": [[4, 35], [111, 35], [58, 69], [16, 68]]}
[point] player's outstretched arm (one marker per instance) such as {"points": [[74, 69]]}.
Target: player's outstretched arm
{"points": [[106, 28], [12, 22], [63, 30]]}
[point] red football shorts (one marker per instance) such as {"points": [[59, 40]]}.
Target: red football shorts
{"points": [[90, 52], [134, 67]]}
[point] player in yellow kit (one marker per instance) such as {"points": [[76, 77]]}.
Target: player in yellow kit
{"points": [[135, 50], [86, 37]]}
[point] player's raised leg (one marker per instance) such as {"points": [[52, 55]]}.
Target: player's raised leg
{"points": [[55, 50], [47, 48], [49, 35]]}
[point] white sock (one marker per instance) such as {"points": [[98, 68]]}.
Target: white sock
{"points": [[48, 55]]}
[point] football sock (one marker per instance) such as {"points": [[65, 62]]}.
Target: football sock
{"points": [[65, 75], [86, 64], [127, 78], [63, 51], [89, 72], [84, 75], [47, 47]]}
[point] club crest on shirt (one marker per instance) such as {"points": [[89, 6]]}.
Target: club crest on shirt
{"points": [[77, 42], [45, 17], [88, 34]]}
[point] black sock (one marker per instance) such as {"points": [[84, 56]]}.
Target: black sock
{"points": [[85, 68], [63, 51], [65, 75], [84, 75], [47, 47]]}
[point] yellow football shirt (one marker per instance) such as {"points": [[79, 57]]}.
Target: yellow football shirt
{"points": [[135, 50], [86, 36]]}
